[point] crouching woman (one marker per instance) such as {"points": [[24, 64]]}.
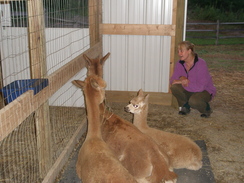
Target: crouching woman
{"points": [[191, 82]]}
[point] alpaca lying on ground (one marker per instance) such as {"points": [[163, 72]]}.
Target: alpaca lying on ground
{"points": [[137, 152], [96, 162], [182, 151]]}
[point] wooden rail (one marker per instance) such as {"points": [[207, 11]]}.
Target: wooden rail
{"points": [[138, 29], [28, 102], [218, 30]]}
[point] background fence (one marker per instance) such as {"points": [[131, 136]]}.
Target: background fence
{"points": [[216, 30]]}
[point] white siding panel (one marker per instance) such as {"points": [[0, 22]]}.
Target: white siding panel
{"points": [[165, 62], [152, 63], [117, 63], [136, 12], [68, 94], [168, 5], [153, 12], [119, 11], [63, 45], [14, 54], [137, 61]]}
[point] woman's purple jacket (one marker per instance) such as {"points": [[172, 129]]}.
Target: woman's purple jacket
{"points": [[198, 75]]}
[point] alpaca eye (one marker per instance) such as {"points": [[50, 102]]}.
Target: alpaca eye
{"points": [[135, 106]]}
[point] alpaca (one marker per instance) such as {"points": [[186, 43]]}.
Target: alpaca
{"points": [[137, 152], [182, 151], [95, 66], [96, 162]]}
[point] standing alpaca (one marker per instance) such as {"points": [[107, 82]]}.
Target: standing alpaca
{"points": [[96, 162], [182, 151], [95, 66], [137, 152]]}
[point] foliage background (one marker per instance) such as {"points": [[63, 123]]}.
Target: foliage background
{"points": [[212, 10]]}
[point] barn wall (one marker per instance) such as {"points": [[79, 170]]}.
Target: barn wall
{"points": [[137, 61], [62, 46]]}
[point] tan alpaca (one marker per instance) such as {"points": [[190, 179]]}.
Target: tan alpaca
{"points": [[182, 151], [96, 163], [95, 66], [136, 151]]}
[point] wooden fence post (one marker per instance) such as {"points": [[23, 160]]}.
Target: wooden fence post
{"points": [[217, 33], [2, 104], [178, 14], [38, 68], [94, 21]]}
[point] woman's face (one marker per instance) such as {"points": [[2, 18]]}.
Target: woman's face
{"points": [[184, 54]]}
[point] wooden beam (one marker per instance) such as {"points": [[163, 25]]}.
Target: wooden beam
{"points": [[138, 29], [2, 104], [28, 103], [38, 70], [94, 21], [125, 96], [64, 156], [178, 20]]}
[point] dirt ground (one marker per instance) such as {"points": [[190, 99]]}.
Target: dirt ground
{"points": [[223, 132]]}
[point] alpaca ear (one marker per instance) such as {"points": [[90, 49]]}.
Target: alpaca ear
{"points": [[140, 93], [87, 59], [78, 83], [94, 83], [146, 97], [102, 60]]}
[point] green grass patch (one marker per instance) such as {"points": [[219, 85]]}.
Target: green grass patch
{"points": [[223, 57], [226, 41]]}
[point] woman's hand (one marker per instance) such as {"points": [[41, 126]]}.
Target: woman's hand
{"points": [[184, 81]]}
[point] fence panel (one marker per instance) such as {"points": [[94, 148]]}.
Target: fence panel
{"points": [[219, 28]]}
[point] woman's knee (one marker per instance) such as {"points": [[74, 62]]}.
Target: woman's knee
{"points": [[198, 102], [195, 101], [176, 88]]}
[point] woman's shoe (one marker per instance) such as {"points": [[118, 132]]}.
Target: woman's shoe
{"points": [[184, 111], [207, 114]]}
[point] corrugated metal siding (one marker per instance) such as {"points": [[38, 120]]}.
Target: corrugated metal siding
{"points": [[62, 46], [137, 61]]}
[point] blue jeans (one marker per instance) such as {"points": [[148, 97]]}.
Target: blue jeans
{"points": [[196, 100]]}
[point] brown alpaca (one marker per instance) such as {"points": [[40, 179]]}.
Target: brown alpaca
{"points": [[95, 66], [96, 162], [137, 152], [182, 151]]}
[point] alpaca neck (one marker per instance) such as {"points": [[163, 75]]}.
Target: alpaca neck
{"points": [[104, 112], [93, 117], [140, 119]]}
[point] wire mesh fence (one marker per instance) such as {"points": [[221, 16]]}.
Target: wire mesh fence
{"points": [[30, 50]]}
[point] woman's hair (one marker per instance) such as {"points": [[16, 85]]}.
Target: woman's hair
{"points": [[187, 45]]}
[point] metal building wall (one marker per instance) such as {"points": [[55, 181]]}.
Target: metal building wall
{"points": [[63, 45], [137, 61]]}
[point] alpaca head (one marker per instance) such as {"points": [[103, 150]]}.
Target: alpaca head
{"points": [[138, 103], [94, 86], [95, 66]]}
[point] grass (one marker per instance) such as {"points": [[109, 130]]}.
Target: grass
{"points": [[208, 36], [223, 57], [227, 41]]}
